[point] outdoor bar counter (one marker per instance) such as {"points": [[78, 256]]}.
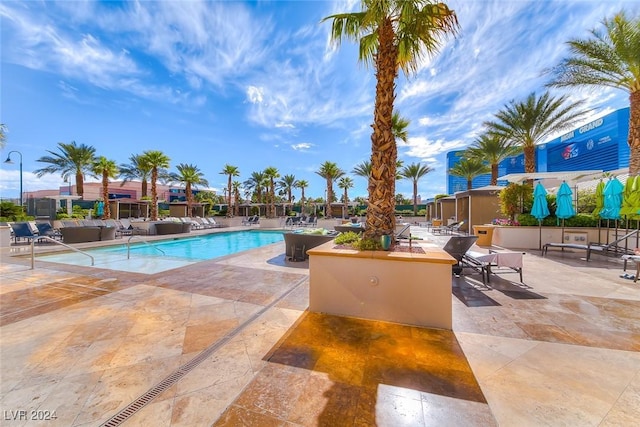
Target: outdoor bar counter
{"points": [[400, 287]]}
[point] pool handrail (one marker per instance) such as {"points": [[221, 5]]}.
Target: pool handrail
{"points": [[57, 242], [143, 241]]}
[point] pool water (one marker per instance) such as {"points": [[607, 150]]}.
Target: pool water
{"points": [[147, 258]]}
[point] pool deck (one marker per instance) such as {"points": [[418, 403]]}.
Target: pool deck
{"points": [[229, 342]]}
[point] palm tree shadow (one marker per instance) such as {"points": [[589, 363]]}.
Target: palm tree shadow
{"points": [[358, 367]]}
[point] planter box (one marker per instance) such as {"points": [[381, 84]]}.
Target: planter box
{"points": [[407, 288]]}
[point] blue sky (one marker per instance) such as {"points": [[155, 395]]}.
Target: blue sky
{"points": [[257, 84]]}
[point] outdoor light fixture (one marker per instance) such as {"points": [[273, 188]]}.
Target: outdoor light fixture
{"points": [[10, 162]]}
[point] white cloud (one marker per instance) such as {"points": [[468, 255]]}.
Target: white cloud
{"points": [[303, 146], [426, 150], [254, 95]]}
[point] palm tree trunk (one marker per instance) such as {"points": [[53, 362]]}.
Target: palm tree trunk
{"points": [[415, 198], [189, 197], [530, 158], [380, 211], [154, 195], [105, 195], [80, 184], [634, 133], [469, 184], [494, 174], [327, 209], [145, 190], [229, 197]]}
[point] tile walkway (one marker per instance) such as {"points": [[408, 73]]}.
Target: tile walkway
{"points": [[229, 342]]}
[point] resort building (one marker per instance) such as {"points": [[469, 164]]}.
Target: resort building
{"points": [[598, 145]]}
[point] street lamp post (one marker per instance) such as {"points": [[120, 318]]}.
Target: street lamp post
{"points": [[10, 162]]}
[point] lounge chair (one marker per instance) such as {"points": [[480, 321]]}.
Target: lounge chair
{"points": [[255, 219], [311, 221], [457, 247], [46, 230], [22, 230], [121, 230], [448, 229], [611, 249]]}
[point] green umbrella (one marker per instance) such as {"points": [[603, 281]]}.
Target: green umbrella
{"points": [[631, 198], [599, 199]]}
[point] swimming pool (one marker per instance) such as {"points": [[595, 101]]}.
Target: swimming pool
{"points": [[162, 255]]}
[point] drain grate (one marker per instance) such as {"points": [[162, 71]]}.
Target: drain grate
{"points": [[183, 370]]}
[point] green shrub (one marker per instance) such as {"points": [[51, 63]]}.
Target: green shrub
{"points": [[347, 238], [367, 245], [580, 220]]}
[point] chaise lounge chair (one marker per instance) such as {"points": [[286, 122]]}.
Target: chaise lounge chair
{"points": [[448, 229], [611, 249]]}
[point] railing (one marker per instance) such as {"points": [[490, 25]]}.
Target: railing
{"points": [[143, 241], [57, 242]]}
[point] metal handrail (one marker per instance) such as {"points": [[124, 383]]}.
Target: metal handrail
{"points": [[143, 241], [57, 242]]}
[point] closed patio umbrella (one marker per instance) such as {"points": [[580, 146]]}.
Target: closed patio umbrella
{"points": [[540, 209], [564, 201], [613, 191], [599, 204], [612, 199]]}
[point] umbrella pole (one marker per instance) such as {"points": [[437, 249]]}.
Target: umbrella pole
{"points": [[540, 233], [599, 221], [562, 230]]}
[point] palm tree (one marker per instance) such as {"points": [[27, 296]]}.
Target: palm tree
{"points": [[469, 168], [610, 58], [492, 149], [345, 184], [154, 160], [230, 171], [235, 186], [393, 35], [135, 169], [330, 172], [363, 169], [287, 183], [73, 159], [255, 184], [106, 169], [302, 184], [414, 172], [530, 122], [271, 174], [191, 176]]}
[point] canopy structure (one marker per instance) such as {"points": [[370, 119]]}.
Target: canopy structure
{"points": [[553, 179]]}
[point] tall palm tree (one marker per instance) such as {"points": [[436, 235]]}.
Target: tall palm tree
{"points": [[73, 159], [236, 186], [136, 169], [287, 183], [302, 184], [155, 160], [469, 168], [271, 174], [106, 169], [414, 172], [531, 121], [610, 58], [255, 184], [330, 172], [230, 171], [345, 183], [492, 149], [191, 176], [393, 35]]}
